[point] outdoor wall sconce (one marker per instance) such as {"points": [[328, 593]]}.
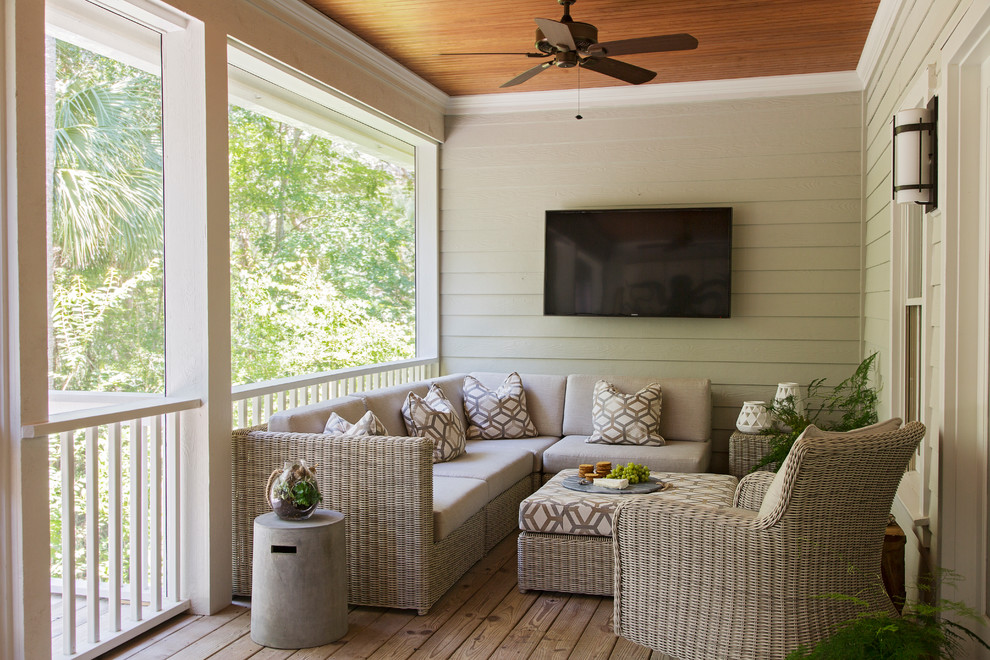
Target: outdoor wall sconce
{"points": [[915, 172]]}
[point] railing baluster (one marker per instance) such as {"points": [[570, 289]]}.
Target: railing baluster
{"points": [[135, 574], [256, 403], [155, 480], [113, 525], [68, 467], [256, 411], [92, 535], [172, 436]]}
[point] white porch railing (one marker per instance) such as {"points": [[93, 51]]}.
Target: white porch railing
{"points": [[114, 503], [253, 404]]}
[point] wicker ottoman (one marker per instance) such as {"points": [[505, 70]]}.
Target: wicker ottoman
{"points": [[566, 538]]}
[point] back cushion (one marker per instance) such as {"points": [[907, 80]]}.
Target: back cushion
{"points": [[686, 413], [776, 488], [313, 418], [387, 402], [544, 398]]}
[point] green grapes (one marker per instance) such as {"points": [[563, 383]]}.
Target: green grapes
{"points": [[631, 471]]}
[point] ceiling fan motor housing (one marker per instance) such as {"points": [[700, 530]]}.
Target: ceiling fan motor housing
{"points": [[584, 34]]}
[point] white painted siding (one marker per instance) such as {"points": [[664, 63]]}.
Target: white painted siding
{"points": [[790, 167], [920, 29]]}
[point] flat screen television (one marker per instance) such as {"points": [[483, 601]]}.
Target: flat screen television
{"points": [[673, 262]]}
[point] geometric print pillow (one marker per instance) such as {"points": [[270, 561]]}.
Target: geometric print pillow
{"points": [[369, 424], [434, 417], [626, 419], [499, 414]]}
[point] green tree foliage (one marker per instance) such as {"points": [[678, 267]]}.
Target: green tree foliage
{"points": [[322, 252], [107, 321]]}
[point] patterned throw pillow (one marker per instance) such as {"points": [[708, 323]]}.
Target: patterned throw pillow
{"points": [[626, 419], [434, 417], [369, 424], [499, 414]]}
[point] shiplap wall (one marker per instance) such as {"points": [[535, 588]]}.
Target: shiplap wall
{"points": [[920, 29], [790, 167]]}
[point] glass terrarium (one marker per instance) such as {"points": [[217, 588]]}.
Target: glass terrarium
{"points": [[293, 492]]}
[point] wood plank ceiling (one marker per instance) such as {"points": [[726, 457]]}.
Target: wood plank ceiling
{"points": [[737, 38]]}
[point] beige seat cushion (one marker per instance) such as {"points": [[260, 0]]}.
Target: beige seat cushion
{"points": [[544, 398], [536, 446], [687, 404], [313, 418], [776, 488], [499, 468], [674, 456], [555, 509], [454, 501]]}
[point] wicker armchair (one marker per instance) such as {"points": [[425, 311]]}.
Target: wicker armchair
{"points": [[707, 582]]}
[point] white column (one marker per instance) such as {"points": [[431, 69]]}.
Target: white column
{"points": [[24, 599], [197, 282]]}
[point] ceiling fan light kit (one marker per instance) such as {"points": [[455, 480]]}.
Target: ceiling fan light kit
{"points": [[575, 44]]}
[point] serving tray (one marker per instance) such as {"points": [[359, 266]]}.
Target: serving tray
{"points": [[573, 482]]}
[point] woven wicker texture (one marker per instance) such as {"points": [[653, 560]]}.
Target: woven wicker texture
{"points": [[582, 563], [564, 562], [745, 451], [387, 497], [502, 512], [701, 582]]}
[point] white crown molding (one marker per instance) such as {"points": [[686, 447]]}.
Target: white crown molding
{"points": [[706, 90], [883, 24], [348, 46]]}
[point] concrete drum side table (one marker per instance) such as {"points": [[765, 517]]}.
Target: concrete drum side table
{"points": [[300, 581]]}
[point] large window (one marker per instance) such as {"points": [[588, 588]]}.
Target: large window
{"points": [[322, 229], [106, 245]]}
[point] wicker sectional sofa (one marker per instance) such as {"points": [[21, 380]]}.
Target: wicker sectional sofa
{"points": [[414, 527]]}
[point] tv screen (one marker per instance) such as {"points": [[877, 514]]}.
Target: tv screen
{"points": [[638, 262]]}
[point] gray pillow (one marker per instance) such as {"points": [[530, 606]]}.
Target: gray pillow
{"points": [[626, 419], [499, 414]]}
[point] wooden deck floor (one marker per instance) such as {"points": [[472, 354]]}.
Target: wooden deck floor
{"points": [[482, 616]]}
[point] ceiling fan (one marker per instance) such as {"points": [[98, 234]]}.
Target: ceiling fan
{"points": [[572, 43]]}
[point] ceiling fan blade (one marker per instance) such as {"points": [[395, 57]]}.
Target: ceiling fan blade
{"points": [[526, 75], [558, 34], [658, 44], [526, 54], [625, 72]]}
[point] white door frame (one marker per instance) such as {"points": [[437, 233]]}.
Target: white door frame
{"points": [[965, 133]]}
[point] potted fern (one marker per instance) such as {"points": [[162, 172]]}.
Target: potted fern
{"points": [[851, 404], [922, 632]]}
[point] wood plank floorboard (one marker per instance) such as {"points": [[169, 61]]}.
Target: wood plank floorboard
{"points": [[482, 616]]}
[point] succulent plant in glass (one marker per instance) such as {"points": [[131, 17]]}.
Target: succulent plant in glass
{"points": [[292, 491]]}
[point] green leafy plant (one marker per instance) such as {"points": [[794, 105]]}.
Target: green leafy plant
{"points": [[924, 631], [849, 405], [303, 494]]}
